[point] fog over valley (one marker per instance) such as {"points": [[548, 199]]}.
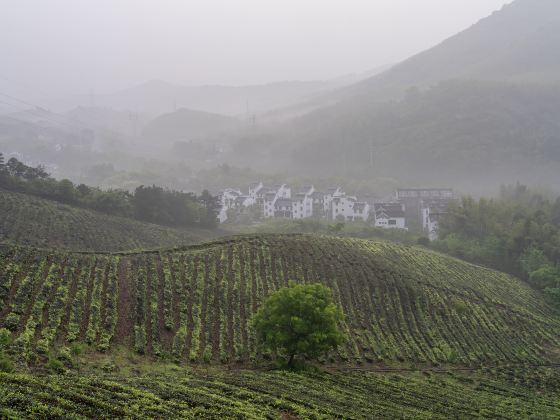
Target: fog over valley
{"points": [[248, 209]]}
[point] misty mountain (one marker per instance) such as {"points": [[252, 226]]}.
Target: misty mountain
{"points": [[157, 97], [521, 42], [448, 114], [186, 125], [123, 123], [489, 131]]}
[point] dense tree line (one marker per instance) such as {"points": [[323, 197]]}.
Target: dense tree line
{"points": [[518, 232], [148, 203]]}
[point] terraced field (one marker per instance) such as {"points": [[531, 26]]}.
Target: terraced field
{"points": [[273, 395], [194, 304], [32, 221]]}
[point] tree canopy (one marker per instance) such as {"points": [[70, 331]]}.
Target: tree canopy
{"points": [[519, 232], [147, 203], [299, 320]]}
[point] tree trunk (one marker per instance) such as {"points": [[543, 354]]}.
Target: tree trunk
{"points": [[291, 361]]}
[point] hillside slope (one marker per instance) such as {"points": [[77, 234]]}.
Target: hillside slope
{"points": [[518, 43], [32, 221], [465, 132], [274, 395], [400, 304]]}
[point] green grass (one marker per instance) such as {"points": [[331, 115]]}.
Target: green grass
{"points": [[274, 394], [401, 304], [33, 221]]}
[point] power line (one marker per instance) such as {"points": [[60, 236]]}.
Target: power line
{"points": [[20, 100], [37, 108], [28, 86], [37, 113]]}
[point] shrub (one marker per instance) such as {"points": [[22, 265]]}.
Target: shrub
{"points": [[56, 366]]}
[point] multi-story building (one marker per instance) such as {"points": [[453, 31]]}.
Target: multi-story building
{"points": [[302, 203], [362, 211], [342, 207]]}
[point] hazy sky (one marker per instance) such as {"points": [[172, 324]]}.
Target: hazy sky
{"points": [[75, 45]]}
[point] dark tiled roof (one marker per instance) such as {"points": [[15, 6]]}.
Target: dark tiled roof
{"points": [[283, 202], [391, 210], [425, 189], [317, 194], [304, 190], [390, 214]]}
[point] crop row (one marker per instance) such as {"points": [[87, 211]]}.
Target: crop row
{"points": [[400, 304], [270, 395], [32, 221]]}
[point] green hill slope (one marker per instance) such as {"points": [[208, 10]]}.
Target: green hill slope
{"points": [[273, 395], [400, 304], [33, 221]]}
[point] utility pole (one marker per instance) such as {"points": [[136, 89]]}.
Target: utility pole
{"points": [[91, 98], [247, 114], [371, 153], [133, 121]]}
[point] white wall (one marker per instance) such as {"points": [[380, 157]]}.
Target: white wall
{"points": [[398, 223]]}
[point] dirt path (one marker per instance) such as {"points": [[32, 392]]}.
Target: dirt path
{"points": [[36, 290], [12, 295], [166, 335], [86, 311], [49, 301], [125, 305], [63, 328]]}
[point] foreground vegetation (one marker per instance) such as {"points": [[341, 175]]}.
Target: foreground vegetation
{"points": [[179, 393], [400, 304], [33, 221]]}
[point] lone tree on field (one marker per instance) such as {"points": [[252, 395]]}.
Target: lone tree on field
{"points": [[299, 320]]}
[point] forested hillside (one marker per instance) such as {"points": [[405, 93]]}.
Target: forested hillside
{"points": [[476, 133], [517, 232]]}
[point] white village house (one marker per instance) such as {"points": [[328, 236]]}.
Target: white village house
{"points": [[390, 215], [432, 211], [334, 204]]}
